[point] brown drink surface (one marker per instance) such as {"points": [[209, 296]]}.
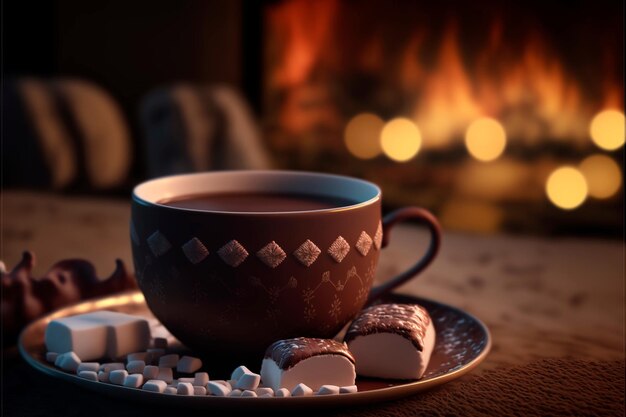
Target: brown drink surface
{"points": [[256, 202]]}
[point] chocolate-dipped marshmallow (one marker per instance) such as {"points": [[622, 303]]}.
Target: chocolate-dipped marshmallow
{"points": [[392, 341], [314, 362]]}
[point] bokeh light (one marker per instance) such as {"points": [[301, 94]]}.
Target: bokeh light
{"points": [[362, 135], [400, 139], [566, 188], [603, 175], [607, 129], [485, 139]]}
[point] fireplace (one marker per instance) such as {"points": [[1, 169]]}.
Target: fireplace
{"points": [[499, 117]]}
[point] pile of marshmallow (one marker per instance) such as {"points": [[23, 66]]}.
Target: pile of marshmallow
{"points": [[385, 341], [146, 363]]}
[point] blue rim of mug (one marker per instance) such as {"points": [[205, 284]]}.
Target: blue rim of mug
{"points": [[323, 176]]}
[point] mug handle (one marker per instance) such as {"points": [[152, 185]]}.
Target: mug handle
{"points": [[423, 216]]}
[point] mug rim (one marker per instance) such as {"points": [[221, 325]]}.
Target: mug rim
{"points": [[142, 200]]}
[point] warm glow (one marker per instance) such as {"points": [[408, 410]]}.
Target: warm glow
{"points": [[607, 129], [443, 83], [448, 103], [400, 139], [362, 135], [603, 175], [566, 188], [506, 179], [304, 28], [485, 139], [472, 216]]}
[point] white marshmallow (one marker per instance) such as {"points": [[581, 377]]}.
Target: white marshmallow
{"points": [[201, 391], [301, 390], [389, 355], [89, 375], [79, 334], [266, 396], [239, 371], [165, 374], [58, 360], [51, 357], [328, 390], [184, 388], [118, 377], [190, 380], [170, 390], [348, 389], [232, 382], [248, 393], [103, 376], [88, 366], [283, 392], [248, 381], [264, 390], [200, 379], [169, 361], [136, 367], [112, 366], [217, 389], [235, 393], [188, 364], [151, 372], [314, 372], [68, 361], [155, 385], [134, 380], [98, 334], [137, 356]]}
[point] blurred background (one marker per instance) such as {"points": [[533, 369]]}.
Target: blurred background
{"points": [[497, 116]]}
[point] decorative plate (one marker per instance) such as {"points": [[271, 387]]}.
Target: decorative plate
{"points": [[462, 343]]}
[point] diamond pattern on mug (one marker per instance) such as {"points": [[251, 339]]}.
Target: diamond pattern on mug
{"points": [[364, 243], [233, 253], [271, 254], [195, 251], [339, 249], [158, 243], [378, 237], [307, 253], [133, 234]]}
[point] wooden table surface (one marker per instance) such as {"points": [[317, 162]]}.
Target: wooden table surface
{"points": [[540, 297]]}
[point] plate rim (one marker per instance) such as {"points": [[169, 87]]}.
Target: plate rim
{"points": [[362, 397]]}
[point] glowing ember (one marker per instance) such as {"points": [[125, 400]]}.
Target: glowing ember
{"points": [[566, 188], [362, 135], [607, 129], [485, 139], [400, 139], [603, 175]]}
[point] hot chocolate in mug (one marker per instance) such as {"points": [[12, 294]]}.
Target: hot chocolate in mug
{"points": [[274, 255]]}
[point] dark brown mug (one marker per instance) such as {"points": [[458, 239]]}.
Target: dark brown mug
{"points": [[231, 283]]}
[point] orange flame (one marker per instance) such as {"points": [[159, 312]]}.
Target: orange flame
{"points": [[527, 88], [303, 27], [448, 105]]}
